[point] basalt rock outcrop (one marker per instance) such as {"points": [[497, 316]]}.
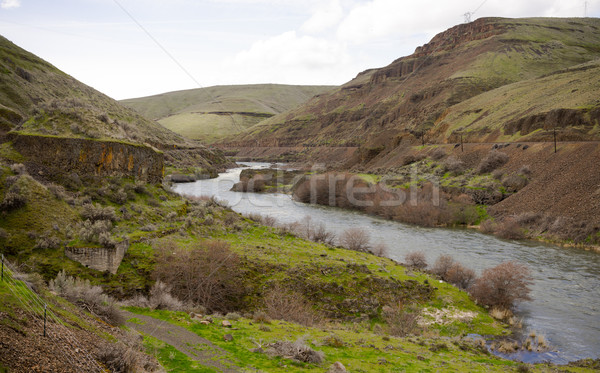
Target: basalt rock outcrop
{"points": [[56, 156]]}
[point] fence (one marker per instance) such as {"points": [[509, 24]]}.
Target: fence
{"points": [[50, 325]]}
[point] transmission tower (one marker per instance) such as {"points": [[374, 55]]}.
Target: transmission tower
{"points": [[467, 16]]}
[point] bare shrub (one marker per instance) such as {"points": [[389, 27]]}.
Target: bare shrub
{"points": [[57, 191], [416, 259], [509, 229], [454, 165], [492, 161], [401, 321], [261, 317], [356, 239], [18, 168], [442, 265], [525, 171], [528, 218], [126, 355], [513, 182], [87, 296], [289, 306], [380, 249], [460, 276], [208, 273], [438, 154], [487, 226], [486, 196], [13, 199], [161, 298], [47, 241], [503, 286], [97, 212], [298, 351]]}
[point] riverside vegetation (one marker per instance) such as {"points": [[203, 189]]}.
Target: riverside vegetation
{"points": [[280, 291]]}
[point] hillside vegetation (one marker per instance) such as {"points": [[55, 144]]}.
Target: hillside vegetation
{"points": [[209, 114], [38, 100], [438, 91]]}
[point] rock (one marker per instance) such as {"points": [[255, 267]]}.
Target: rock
{"points": [[228, 337], [205, 322], [226, 323], [337, 367]]}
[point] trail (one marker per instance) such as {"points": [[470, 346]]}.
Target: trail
{"points": [[195, 347]]}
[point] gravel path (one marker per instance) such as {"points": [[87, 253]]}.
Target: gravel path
{"points": [[191, 344]]}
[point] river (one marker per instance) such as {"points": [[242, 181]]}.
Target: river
{"points": [[566, 290]]}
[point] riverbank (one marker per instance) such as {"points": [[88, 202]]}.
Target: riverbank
{"points": [[556, 270]]}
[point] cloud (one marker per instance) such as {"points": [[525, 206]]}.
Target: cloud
{"points": [[292, 58], [8, 4], [324, 18]]}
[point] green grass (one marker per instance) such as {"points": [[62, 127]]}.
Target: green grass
{"points": [[194, 113]]}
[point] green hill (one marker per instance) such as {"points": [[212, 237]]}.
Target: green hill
{"points": [[45, 111], [212, 113]]}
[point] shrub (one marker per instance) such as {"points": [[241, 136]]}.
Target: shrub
{"points": [[13, 199], [57, 191], [208, 274], [401, 321], [356, 239], [492, 161], [503, 286], [161, 298], [289, 306], [442, 265], [460, 276], [47, 242], [509, 229], [261, 317], [126, 355], [380, 249], [438, 154], [513, 183], [234, 316], [97, 212], [416, 259], [454, 165], [87, 296], [525, 171], [487, 226], [19, 169]]}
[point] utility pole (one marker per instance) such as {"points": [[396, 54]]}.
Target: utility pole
{"points": [[467, 16]]}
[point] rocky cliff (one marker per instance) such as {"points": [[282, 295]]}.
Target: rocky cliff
{"points": [[52, 156]]}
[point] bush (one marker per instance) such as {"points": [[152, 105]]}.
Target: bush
{"points": [[503, 286], [87, 296], [96, 212], [492, 161], [438, 154], [126, 355], [161, 298], [513, 183], [289, 306], [401, 321], [509, 229], [19, 169], [487, 226], [356, 239], [442, 265], [208, 274], [460, 276], [13, 199], [47, 242], [454, 165], [416, 259]]}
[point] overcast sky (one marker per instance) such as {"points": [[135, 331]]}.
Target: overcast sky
{"points": [[132, 48]]}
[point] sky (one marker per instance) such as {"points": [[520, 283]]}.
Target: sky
{"points": [[134, 48]]}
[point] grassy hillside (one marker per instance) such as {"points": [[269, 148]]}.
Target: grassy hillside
{"points": [[212, 113], [410, 98], [38, 99]]}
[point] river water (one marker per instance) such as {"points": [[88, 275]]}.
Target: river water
{"points": [[566, 290]]}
